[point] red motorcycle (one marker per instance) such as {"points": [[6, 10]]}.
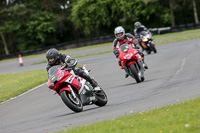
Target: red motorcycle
{"points": [[74, 91], [131, 62]]}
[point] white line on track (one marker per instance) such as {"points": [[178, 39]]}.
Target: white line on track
{"points": [[181, 68], [183, 63], [24, 93]]}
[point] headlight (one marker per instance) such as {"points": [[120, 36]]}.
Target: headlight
{"points": [[128, 56], [144, 39], [50, 84]]}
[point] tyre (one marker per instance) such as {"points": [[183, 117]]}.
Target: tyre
{"points": [[148, 51], [153, 48], [74, 104], [135, 73], [101, 98], [142, 79]]}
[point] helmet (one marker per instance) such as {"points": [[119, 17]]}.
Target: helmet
{"points": [[119, 32], [137, 25], [53, 54]]}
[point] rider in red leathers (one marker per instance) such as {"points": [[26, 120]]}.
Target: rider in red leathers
{"points": [[122, 37]]}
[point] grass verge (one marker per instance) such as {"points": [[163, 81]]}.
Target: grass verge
{"points": [[179, 118], [177, 33], [14, 84], [177, 39]]}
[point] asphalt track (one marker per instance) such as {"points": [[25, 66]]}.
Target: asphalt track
{"points": [[173, 76]]}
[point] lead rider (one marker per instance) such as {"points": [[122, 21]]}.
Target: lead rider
{"points": [[56, 58]]}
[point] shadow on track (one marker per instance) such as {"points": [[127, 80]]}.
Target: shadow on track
{"points": [[73, 113]]}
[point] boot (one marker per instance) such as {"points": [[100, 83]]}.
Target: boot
{"points": [[145, 65], [94, 85], [92, 82]]}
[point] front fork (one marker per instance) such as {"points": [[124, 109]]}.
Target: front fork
{"points": [[140, 63], [72, 91]]}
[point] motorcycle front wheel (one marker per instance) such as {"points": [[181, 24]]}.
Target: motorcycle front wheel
{"points": [[101, 98], [153, 48], [74, 104], [135, 73]]}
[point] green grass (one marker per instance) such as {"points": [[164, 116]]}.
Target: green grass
{"points": [[177, 39], [14, 84], [177, 33], [179, 118]]}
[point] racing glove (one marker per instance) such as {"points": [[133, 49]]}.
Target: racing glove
{"points": [[116, 52]]}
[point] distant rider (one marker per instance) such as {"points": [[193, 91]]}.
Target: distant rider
{"points": [[56, 58], [138, 29], [122, 37]]}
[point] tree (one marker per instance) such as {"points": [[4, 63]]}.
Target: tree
{"points": [[172, 12], [102, 16], [195, 12], [5, 44], [3, 6], [26, 26]]}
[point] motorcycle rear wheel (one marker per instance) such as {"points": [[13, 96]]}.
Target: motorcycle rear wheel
{"points": [[101, 98], [74, 104], [134, 72]]}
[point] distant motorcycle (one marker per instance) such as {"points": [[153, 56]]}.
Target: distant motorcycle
{"points": [[147, 43], [131, 62], [74, 91]]}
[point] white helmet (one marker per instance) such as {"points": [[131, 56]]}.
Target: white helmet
{"points": [[119, 32]]}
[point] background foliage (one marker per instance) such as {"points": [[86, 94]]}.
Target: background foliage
{"points": [[30, 24]]}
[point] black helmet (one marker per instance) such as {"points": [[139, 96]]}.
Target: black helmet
{"points": [[137, 25], [52, 54]]}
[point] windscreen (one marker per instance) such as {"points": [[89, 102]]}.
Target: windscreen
{"points": [[124, 47], [52, 73]]}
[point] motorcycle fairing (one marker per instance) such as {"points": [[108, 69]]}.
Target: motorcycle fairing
{"points": [[128, 57], [124, 48], [144, 45], [58, 76]]}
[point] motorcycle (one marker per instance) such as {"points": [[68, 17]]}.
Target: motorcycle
{"points": [[131, 62], [74, 91], [147, 43]]}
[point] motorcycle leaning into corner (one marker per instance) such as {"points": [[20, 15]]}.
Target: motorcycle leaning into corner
{"points": [[147, 42], [74, 91], [131, 62]]}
